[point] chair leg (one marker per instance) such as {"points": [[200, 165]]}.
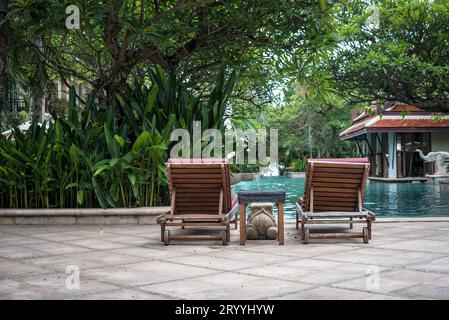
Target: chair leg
{"points": [[365, 235], [228, 233], [182, 226], [162, 232], [351, 225], [369, 229], [297, 222], [302, 230], [306, 237], [167, 237]]}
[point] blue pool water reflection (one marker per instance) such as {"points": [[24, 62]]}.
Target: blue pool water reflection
{"points": [[385, 199]]}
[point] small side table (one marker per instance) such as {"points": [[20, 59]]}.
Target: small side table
{"points": [[246, 197]]}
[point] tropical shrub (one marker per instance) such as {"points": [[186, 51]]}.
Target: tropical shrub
{"points": [[245, 168], [298, 165], [10, 119], [105, 156]]}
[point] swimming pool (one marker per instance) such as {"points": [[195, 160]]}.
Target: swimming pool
{"points": [[385, 199]]}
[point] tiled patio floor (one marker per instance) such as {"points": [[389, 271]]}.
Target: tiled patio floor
{"points": [[406, 260]]}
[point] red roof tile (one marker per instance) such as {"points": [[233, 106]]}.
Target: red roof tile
{"points": [[395, 123], [410, 123]]}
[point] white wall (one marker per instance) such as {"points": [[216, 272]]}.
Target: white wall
{"points": [[392, 156], [440, 141]]}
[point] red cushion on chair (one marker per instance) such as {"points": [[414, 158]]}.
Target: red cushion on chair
{"points": [[353, 160], [233, 201], [198, 160]]}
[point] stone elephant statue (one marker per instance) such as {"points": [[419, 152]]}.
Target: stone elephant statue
{"points": [[440, 158], [261, 224]]}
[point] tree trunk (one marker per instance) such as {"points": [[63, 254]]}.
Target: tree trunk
{"points": [[4, 41], [309, 134]]}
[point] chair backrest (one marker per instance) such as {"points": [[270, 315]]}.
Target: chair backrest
{"points": [[199, 186], [335, 184]]}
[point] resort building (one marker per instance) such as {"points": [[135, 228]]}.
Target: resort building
{"points": [[390, 135]]}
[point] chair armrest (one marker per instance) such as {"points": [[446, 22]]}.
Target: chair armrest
{"points": [[160, 219], [371, 214], [231, 214], [300, 211]]}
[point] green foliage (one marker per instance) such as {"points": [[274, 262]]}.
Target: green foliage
{"points": [[168, 101], [95, 158], [309, 126], [245, 168], [405, 59], [11, 119], [298, 165], [192, 38]]}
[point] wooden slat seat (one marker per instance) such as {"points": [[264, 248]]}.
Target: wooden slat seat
{"points": [[333, 193], [364, 214], [200, 192], [205, 216]]}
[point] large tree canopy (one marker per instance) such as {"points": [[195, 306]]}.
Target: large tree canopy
{"points": [[405, 57], [309, 126], [192, 38], [325, 44]]}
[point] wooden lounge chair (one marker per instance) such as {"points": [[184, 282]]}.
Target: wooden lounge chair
{"points": [[200, 191], [333, 194]]}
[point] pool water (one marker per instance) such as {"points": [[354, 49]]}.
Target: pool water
{"points": [[384, 199]]}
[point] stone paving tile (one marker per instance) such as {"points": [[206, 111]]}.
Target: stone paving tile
{"points": [[245, 255], [419, 245], [59, 263], [316, 265], [52, 286], [15, 252], [126, 239], [327, 293], [56, 248], [444, 236], [192, 248], [437, 225], [145, 273], [97, 244], [436, 265], [378, 240], [377, 296], [390, 281], [425, 291], [130, 262], [36, 229], [59, 236], [319, 272], [83, 261], [149, 253], [297, 249], [121, 294], [92, 233], [218, 263], [381, 257], [108, 258], [134, 230], [12, 269], [7, 240], [225, 285], [405, 233], [310, 271], [444, 281]]}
